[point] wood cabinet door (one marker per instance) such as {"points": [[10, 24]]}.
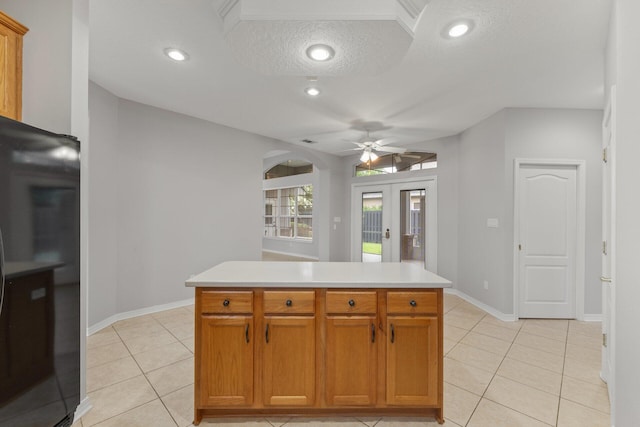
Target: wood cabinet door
{"points": [[289, 367], [11, 33], [412, 360], [350, 359], [226, 366]]}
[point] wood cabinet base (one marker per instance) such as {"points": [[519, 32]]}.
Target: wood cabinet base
{"points": [[436, 413], [318, 352]]}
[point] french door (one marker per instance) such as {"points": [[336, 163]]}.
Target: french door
{"points": [[395, 222]]}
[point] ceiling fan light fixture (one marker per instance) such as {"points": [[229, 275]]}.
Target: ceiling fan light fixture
{"points": [[368, 156], [320, 52]]}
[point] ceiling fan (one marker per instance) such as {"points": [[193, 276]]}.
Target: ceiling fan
{"points": [[370, 145]]}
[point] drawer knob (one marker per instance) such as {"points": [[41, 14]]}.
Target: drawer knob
{"points": [[289, 303], [413, 303], [351, 303], [225, 303]]}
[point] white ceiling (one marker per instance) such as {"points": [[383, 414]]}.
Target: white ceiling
{"points": [[521, 53]]}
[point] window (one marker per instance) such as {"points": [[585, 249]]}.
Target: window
{"points": [[288, 213], [289, 168], [393, 163]]}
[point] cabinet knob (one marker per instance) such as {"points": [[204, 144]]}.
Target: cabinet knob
{"points": [[225, 303], [413, 303], [351, 303], [289, 303]]}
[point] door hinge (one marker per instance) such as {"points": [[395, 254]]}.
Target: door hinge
{"points": [[519, 247], [604, 247], [604, 340], [604, 155]]}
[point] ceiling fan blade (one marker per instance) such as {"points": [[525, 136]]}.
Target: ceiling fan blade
{"points": [[388, 149]]}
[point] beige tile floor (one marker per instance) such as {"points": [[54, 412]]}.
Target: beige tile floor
{"points": [[525, 373]]}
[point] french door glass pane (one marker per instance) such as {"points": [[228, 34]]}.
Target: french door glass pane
{"points": [[412, 221], [372, 227]]}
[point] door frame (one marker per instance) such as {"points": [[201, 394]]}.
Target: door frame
{"points": [[432, 224], [581, 175]]}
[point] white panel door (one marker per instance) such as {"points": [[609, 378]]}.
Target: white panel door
{"points": [[608, 246], [547, 241]]}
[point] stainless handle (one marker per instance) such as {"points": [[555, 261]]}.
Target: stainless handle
{"points": [[605, 279]]}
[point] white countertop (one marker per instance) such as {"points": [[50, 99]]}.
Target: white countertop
{"points": [[318, 275]]}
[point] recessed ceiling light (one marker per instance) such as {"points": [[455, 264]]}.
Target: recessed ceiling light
{"points": [[176, 54], [458, 29], [320, 52], [312, 91]]}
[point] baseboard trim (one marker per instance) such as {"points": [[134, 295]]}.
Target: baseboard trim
{"points": [[492, 311], [84, 407], [592, 318], [310, 258], [135, 313]]}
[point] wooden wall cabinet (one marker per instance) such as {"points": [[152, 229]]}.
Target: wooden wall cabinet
{"points": [[318, 352], [11, 32]]}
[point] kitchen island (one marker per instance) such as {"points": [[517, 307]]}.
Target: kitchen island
{"points": [[316, 339]]}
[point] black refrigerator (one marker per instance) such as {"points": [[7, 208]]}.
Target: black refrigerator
{"points": [[40, 276]]}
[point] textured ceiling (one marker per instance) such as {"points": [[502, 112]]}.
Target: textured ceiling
{"points": [[278, 48], [521, 53]]}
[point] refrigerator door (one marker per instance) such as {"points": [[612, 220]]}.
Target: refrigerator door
{"points": [[40, 317]]}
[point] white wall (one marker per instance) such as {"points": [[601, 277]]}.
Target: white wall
{"points": [[624, 61], [328, 203], [47, 66], [482, 195], [188, 193], [172, 196], [563, 134], [103, 204], [487, 153]]}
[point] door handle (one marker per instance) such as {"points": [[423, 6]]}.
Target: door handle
{"points": [[605, 279], [373, 333], [266, 334], [393, 334], [246, 334], [386, 234]]}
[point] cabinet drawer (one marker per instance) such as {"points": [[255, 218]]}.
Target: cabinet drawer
{"points": [[412, 302], [345, 302], [222, 302], [285, 302]]}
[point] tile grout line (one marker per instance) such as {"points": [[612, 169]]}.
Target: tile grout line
{"points": [[146, 379], [493, 377], [490, 381], [564, 361]]}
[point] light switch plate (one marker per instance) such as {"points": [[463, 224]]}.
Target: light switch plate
{"points": [[492, 222]]}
